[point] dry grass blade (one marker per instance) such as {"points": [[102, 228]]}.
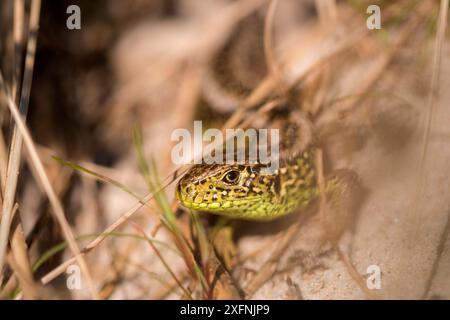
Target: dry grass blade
{"points": [[161, 258], [19, 13], [269, 83], [270, 267], [19, 256], [359, 280], [55, 203], [440, 36], [29, 288], [269, 46], [103, 178], [322, 212], [94, 243], [376, 71], [16, 143], [327, 10]]}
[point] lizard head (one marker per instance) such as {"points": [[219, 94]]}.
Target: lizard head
{"points": [[233, 190]]}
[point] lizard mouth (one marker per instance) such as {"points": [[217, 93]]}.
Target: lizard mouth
{"points": [[192, 199], [183, 196]]}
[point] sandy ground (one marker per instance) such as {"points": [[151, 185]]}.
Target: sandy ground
{"points": [[411, 247]]}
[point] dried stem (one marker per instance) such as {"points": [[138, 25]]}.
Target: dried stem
{"points": [[16, 143], [47, 186]]}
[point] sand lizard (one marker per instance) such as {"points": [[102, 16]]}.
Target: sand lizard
{"points": [[241, 191]]}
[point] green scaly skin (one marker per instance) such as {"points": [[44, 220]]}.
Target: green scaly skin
{"points": [[244, 191]]}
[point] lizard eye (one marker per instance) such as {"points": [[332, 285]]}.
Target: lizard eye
{"points": [[231, 176]]}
